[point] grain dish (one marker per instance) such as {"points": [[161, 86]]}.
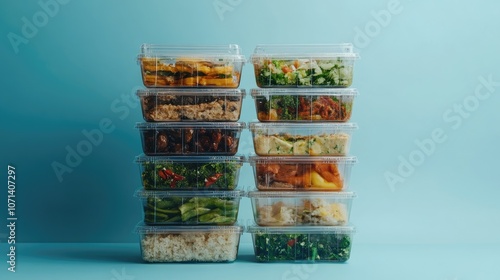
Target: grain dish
{"points": [[168, 105], [189, 244], [301, 208]]}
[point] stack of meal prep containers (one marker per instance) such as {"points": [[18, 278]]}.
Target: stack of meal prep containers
{"points": [[190, 169], [302, 168]]}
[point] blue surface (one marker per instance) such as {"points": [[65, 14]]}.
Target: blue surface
{"points": [[123, 262], [427, 114]]}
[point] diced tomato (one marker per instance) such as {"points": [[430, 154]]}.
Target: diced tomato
{"points": [[286, 69], [210, 180]]}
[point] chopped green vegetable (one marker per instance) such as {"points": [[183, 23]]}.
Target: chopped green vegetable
{"points": [[190, 175], [304, 247], [323, 73], [195, 210]]}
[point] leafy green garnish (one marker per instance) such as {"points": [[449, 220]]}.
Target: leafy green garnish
{"points": [[194, 175], [306, 247]]}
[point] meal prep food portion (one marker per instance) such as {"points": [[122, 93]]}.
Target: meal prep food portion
{"points": [[315, 139], [304, 65], [190, 207], [165, 105], [302, 173], [190, 173], [301, 208], [313, 244], [191, 66], [304, 104], [190, 138], [189, 243]]}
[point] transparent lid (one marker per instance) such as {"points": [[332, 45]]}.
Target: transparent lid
{"points": [[190, 159], [312, 126], [141, 228], [302, 159], [193, 125], [300, 229], [297, 51], [304, 91], [231, 52], [294, 194], [141, 193], [190, 92]]}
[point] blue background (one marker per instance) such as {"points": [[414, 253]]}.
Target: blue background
{"points": [[420, 61]]}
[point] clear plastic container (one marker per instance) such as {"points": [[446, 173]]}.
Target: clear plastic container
{"points": [[190, 173], [302, 173], [308, 105], [313, 139], [301, 208], [190, 207], [189, 243], [328, 65], [190, 138], [191, 66], [166, 105], [302, 244]]}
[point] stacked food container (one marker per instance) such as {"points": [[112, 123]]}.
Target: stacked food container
{"points": [[302, 168], [190, 167]]}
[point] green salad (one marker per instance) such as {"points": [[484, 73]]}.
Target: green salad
{"points": [[189, 175], [304, 247], [304, 72]]}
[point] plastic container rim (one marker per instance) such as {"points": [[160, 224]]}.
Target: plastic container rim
{"points": [[142, 158], [302, 159], [142, 228], [188, 92], [300, 194], [348, 229], [141, 193], [329, 126], [194, 125], [304, 91], [304, 51], [230, 52]]}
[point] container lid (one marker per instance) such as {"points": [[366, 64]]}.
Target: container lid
{"points": [[312, 126], [141, 193], [191, 92], [304, 91], [195, 125], [298, 51], [300, 229], [302, 159], [141, 228], [294, 194], [190, 159], [221, 53]]}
